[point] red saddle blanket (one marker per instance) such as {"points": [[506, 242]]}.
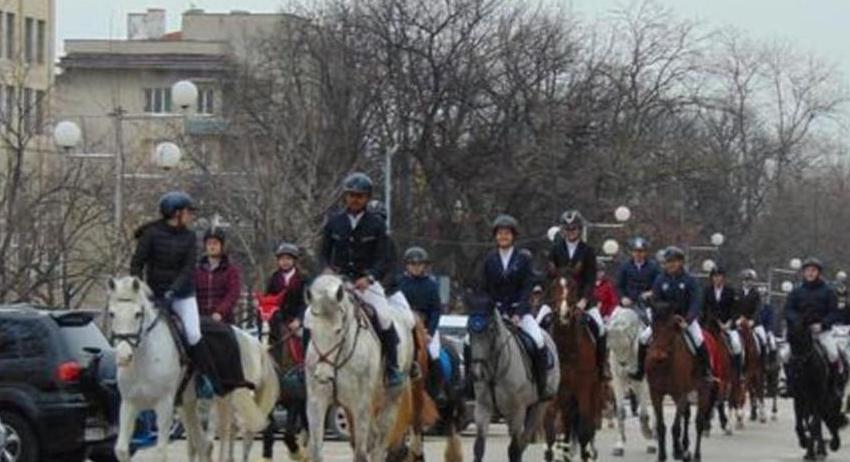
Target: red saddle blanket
{"points": [[714, 353]]}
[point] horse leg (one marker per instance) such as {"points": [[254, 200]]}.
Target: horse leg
{"points": [[677, 433], [645, 427], [164, 417], [516, 429], [482, 426], [549, 428], [660, 428], [620, 413], [317, 410], [817, 428], [224, 427], [198, 445], [686, 434], [127, 424]]}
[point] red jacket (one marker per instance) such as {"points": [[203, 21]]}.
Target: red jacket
{"points": [[218, 290], [606, 295]]}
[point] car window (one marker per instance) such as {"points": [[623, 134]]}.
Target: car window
{"points": [[8, 340], [77, 338], [22, 339]]}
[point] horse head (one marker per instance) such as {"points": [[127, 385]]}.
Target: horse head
{"points": [[623, 330], [565, 298], [330, 312], [129, 310], [485, 326]]}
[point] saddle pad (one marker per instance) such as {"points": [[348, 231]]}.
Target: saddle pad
{"points": [[713, 354], [529, 347], [224, 349], [445, 363]]}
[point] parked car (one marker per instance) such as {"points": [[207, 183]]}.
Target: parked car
{"points": [[57, 385]]}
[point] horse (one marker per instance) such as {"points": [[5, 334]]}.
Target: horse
{"points": [[772, 370], [815, 404], [502, 379], [730, 389], [753, 375], [671, 371], [579, 401], [624, 328], [150, 373], [344, 366]]}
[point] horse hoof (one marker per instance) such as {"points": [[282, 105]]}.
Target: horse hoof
{"points": [[809, 457], [686, 457], [763, 419], [773, 417], [618, 452], [835, 444], [727, 432], [739, 425]]}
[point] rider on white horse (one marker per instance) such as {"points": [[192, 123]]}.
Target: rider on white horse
{"points": [[356, 246], [573, 258], [720, 303], [749, 305], [636, 276], [165, 258]]}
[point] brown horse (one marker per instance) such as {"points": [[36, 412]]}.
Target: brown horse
{"points": [[579, 401], [754, 376], [671, 370]]}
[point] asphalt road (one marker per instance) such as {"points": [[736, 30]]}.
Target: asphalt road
{"points": [[773, 441]]}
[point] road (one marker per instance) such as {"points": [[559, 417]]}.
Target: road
{"points": [[770, 442]]}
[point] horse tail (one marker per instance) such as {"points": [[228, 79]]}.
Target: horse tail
{"points": [[269, 389], [245, 406], [454, 451], [404, 417]]}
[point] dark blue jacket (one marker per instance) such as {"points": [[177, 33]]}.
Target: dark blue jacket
{"points": [[681, 291], [581, 267], [356, 253], [510, 289], [631, 281], [423, 295], [811, 303], [766, 318]]}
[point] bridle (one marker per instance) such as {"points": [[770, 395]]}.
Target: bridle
{"points": [[490, 365], [134, 339]]}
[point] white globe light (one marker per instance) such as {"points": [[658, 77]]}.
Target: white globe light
{"points": [[167, 155], [717, 239], [841, 276], [184, 94], [659, 255], [610, 247], [67, 134], [708, 265], [553, 232], [795, 264], [622, 214], [787, 286]]}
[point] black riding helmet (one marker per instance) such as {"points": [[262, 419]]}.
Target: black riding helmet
{"points": [[717, 271], [416, 255], [288, 248], [215, 233], [358, 183], [507, 222], [174, 201], [572, 219], [813, 261], [673, 253], [639, 243]]}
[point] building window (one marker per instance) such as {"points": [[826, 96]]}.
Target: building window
{"points": [[28, 112], [39, 111], [29, 40], [10, 104], [157, 100], [206, 101], [10, 35], [41, 45]]}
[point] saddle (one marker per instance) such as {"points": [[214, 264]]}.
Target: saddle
{"points": [[528, 346], [224, 349]]}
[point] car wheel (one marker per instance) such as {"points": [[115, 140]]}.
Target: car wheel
{"points": [[21, 444], [339, 423]]}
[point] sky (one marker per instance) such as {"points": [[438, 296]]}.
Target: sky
{"points": [[820, 26]]}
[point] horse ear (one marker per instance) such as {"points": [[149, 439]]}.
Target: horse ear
{"points": [[340, 294], [111, 284], [308, 296], [137, 285]]}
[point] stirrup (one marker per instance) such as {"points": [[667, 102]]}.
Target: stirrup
{"points": [[203, 387], [415, 371]]}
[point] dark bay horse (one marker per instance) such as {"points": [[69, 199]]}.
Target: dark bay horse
{"points": [[754, 377], [671, 370], [579, 401]]}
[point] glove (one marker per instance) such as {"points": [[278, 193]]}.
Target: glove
{"points": [[582, 304], [646, 295]]}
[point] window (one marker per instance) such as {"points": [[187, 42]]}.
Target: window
{"points": [[29, 40], [10, 35], [9, 113], [27, 106], [8, 341], [157, 100], [41, 45], [206, 101], [22, 339], [39, 111]]}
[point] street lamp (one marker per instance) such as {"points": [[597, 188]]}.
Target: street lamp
{"points": [[67, 134], [841, 276], [622, 214], [611, 247], [184, 94], [717, 239], [708, 265], [167, 155], [787, 286], [795, 264]]}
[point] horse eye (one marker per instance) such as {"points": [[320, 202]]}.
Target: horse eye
{"points": [[111, 315], [138, 315]]}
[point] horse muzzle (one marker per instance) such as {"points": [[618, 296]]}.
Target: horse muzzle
{"points": [[123, 355], [324, 374]]}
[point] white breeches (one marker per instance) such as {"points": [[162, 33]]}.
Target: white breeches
{"points": [[771, 342], [761, 334], [829, 344], [735, 342], [694, 331], [596, 316], [542, 313], [434, 346], [374, 295], [529, 325], [187, 310]]}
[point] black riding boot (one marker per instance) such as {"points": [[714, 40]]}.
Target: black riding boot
{"points": [[738, 364], [389, 343], [602, 364], [639, 373], [540, 372], [203, 362], [704, 363], [436, 383]]}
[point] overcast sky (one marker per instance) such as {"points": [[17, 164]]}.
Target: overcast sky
{"points": [[822, 26]]}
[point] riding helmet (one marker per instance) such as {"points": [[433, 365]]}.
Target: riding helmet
{"points": [[288, 248], [505, 221], [358, 183], [673, 253], [813, 261], [416, 255], [572, 219], [639, 243], [215, 232], [717, 270], [749, 274], [174, 201]]}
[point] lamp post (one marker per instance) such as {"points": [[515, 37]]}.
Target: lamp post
{"points": [[715, 242], [622, 214], [794, 266]]}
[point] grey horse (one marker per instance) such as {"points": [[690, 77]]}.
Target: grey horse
{"points": [[503, 381]]}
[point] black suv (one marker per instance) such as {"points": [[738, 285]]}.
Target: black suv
{"points": [[57, 385]]}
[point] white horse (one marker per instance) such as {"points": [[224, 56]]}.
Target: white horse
{"points": [[150, 372], [624, 327], [343, 366]]}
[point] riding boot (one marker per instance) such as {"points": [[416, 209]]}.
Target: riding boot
{"points": [[704, 364], [436, 382], [602, 364], [639, 373], [415, 370], [541, 357], [203, 362], [389, 343], [738, 364]]}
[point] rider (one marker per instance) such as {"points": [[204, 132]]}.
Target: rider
{"points": [[423, 294], [355, 245], [813, 304], [637, 275], [604, 292], [218, 281], [508, 280], [539, 308], [749, 305], [572, 257], [165, 258], [720, 304], [677, 287]]}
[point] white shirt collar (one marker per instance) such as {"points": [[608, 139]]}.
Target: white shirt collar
{"points": [[718, 291], [354, 219], [505, 255], [571, 247], [287, 276]]}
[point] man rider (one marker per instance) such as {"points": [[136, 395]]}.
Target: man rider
{"points": [[572, 257], [508, 280], [749, 307], [355, 245], [636, 276], [720, 304], [678, 288]]}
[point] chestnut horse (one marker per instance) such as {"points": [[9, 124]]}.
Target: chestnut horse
{"points": [[671, 370], [754, 377], [579, 401]]}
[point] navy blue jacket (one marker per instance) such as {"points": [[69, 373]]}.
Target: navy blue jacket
{"points": [[423, 295], [356, 253], [766, 318], [510, 289], [681, 291], [631, 281], [581, 267], [811, 303]]}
